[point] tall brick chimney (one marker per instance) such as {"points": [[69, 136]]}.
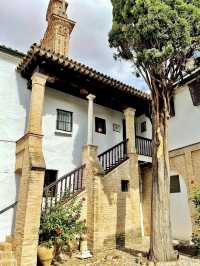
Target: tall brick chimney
{"points": [[59, 28]]}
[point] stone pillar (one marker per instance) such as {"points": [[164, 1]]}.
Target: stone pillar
{"points": [[91, 98], [31, 180], [129, 114], [93, 186]]}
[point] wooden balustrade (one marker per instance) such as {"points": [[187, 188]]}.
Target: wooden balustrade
{"points": [[63, 188], [113, 157]]}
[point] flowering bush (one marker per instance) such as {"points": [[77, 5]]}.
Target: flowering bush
{"points": [[61, 224]]}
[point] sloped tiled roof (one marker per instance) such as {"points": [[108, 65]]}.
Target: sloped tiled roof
{"points": [[65, 62], [10, 51]]}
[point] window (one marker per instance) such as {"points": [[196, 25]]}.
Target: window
{"points": [[100, 125], [64, 120], [175, 184], [195, 92], [124, 185], [143, 127], [50, 177], [172, 107]]}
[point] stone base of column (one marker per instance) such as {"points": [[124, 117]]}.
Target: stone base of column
{"points": [[29, 200]]}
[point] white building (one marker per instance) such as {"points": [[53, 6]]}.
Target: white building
{"points": [[65, 129]]}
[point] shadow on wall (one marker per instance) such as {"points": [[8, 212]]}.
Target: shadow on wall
{"points": [[121, 220], [24, 97], [17, 180], [81, 137]]}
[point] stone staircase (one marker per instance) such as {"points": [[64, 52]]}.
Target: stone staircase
{"points": [[7, 255]]}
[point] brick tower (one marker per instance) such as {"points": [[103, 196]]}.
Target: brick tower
{"points": [[59, 28]]}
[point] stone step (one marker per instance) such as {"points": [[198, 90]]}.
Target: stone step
{"points": [[6, 255], [8, 262]]}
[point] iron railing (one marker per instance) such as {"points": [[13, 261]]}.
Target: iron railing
{"points": [[143, 146], [8, 208], [113, 157], [64, 188]]}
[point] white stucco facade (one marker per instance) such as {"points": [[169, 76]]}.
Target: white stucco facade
{"points": [[14, 101], [180, 212], [64, 153], [183, 127]]}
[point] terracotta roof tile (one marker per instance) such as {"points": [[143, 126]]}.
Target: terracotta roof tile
{"points": [[37, 50]]}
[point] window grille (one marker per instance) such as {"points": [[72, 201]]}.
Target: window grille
{"points": [[64, 120]]}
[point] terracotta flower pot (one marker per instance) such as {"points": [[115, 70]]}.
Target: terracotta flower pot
{"points": [[45, 255]]}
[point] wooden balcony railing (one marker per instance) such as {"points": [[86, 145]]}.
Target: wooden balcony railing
{"points": [[64, 188], [113, 157], [143, 146]]}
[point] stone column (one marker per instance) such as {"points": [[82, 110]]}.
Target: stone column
{"points": [[129, 114], [31, 180], [91, 98]]}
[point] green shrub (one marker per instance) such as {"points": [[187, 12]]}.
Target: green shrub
{"points": [[61, 224], [196, 237]]}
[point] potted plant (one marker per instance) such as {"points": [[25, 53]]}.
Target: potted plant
{"points": [[58, 227]]}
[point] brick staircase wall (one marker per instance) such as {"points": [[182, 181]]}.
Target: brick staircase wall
{"points": [[7, 254]]}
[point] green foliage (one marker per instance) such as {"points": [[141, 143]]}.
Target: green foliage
{"points": [[158, 36], [60, 224], [196, 202]]}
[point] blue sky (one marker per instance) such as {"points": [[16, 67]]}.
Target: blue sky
{"points": [[23, 22]]}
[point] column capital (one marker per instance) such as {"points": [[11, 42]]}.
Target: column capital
{"points": [[91, 97], [38, 78], [129, 111]]}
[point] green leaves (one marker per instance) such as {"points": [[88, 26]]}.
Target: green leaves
{"points": [[155, 33], [61, 224]]}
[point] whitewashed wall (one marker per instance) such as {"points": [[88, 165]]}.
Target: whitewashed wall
{"points": [[180, 213], [139, 121], [14, 99], [184, 128], [61, 153], [64, 153]]}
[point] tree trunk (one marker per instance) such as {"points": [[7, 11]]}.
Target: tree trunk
{"points": [[161, 248]]}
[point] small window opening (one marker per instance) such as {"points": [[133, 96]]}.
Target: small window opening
{"points": [[195, 92], [172, 107], [124, 185], [143, 127], [100, 125], [50, 177], [175, 184]]}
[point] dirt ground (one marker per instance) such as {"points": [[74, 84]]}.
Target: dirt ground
{"points": [[127, 257]]}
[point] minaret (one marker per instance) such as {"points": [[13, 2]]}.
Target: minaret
{"points": [[59, 28]]}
